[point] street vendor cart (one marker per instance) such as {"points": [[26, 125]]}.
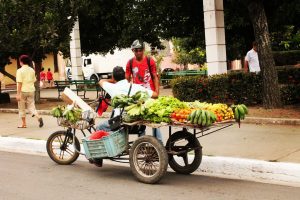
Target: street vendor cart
{"points": [[148, 157]]}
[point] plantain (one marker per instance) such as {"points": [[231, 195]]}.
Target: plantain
{"points": [[236, 114], [241, 111], [193, 116], [245, 108], [208, 118], [199, 121], [203, 116], [213, 117]]}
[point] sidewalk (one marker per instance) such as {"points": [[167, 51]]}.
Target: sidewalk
{"points": [[277, 143]]}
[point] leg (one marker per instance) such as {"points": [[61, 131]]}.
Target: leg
{"points": [[157, 133], [104, 126], [32, 109], [22, 111]]}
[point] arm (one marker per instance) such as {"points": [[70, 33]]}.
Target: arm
{"points": [[102, 81], [246, 66], [156, 83], [128, 72], [154, 75]]}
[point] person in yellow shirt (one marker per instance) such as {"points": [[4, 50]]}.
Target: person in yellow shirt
{"points": [[25, 91]]}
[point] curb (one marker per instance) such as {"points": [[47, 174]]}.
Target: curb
{"points": [[224, 167], [276, 121]]}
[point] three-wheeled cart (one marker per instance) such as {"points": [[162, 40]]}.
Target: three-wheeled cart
{"points": [[148, 157]]}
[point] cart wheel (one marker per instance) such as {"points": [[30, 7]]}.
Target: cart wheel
{"points": [[148, 159], [63, 154], [180, 145]]}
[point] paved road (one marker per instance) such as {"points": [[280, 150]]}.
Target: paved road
{"points": [[30, 177], [263, 142]]}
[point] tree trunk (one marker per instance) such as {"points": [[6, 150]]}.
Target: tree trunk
{"points": [[5, 73], [271, 92], [55, 62], [38, 67]]}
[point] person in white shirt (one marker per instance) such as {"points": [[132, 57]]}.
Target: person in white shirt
{"points": [[119, 85], [251, 60]]}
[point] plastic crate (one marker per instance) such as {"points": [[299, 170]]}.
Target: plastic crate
{"points": [[108, 146]]}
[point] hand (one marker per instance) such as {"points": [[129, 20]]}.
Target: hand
{"points": [[18, 97]]}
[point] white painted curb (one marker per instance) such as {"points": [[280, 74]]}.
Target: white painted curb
{"points": [[225, 167]]}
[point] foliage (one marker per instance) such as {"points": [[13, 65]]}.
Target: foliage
{"points": [[185, 54], [107, 24], [286, 57], [45, 29], [234, 87]]}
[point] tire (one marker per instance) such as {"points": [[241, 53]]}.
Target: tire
{"points": [[192, 142], [153, 162], [57, 139], [94, 77]]}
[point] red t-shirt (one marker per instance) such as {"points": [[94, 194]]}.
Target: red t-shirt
{"points": [[141, 74], [42, 75], [49, 76]]}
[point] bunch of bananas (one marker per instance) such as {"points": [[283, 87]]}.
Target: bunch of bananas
{"points": [[135, 110], [202, 117], [73, 115], [240, 111], [57, 111], [123, 100]]}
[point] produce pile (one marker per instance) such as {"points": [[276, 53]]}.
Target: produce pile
{"points": [[170, 110], [70, 113]]}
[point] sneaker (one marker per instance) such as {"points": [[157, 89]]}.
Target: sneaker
{"points": [[41, 122], [98, 162]]}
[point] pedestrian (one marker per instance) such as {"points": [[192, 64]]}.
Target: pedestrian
{"points": [[42, 78], [251, 60], [50, 78], [141, 70], [25, 91]]}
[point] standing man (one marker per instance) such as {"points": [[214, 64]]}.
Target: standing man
{"points": [[25, 91], [251, 60], [141, 70]]}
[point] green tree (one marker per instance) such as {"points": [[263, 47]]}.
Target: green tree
{"points": [[186, 54], [45, 29]]}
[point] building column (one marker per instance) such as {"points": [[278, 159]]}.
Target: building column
{"points": [[75, 53], [215, 36]]}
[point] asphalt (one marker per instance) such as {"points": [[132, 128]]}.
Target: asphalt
{"points": [[277, 143], [29, 177]]}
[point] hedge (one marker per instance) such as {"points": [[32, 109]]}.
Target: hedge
{"points": [[288, 75], [229, 88], [286, 57]]}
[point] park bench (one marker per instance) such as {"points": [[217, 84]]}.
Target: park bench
{"points": [[79, 86]]}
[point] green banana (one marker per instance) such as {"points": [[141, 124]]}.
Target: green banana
{"points": [[203, 116], [199, 121], [241, 111], [195, 120], [193, 115], [213, 117], [208, 118], [236, 114], [245, 108]]}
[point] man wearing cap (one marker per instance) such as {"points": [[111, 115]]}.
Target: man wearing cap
{"points": [[141, 70]]}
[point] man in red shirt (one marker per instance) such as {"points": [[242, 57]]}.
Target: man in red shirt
{"points": [[142, 69]]}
